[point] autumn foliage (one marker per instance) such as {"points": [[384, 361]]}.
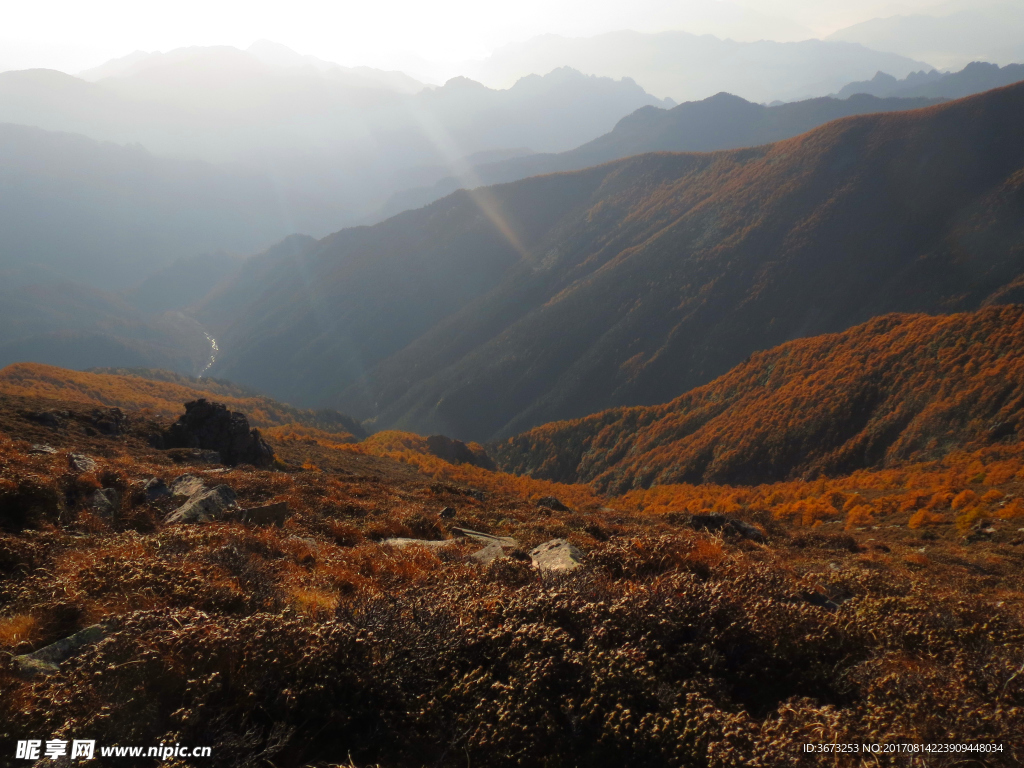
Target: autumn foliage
{"points": [[898, 388], [886, 604]]}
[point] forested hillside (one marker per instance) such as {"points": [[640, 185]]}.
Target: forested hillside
{"points": [[488, 313], [896, 389]]}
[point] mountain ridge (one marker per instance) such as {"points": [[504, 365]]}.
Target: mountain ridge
{"points": [[722, 121]]}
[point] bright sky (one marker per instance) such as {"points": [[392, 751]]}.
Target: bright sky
{"points": [[76, 34]]}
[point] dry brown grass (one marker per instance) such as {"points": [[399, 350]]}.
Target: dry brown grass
{"points": [[670, 647]]}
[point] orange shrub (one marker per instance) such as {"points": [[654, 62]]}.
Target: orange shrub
{"points": [[964, 499], [860, 515]]}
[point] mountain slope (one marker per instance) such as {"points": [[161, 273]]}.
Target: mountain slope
{"points": [[898, 388], [976, 77], [722, 121], [45, 319], [109, 215], [631, 282], [162, 393]]}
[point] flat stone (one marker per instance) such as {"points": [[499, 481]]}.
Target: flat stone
{"points": [[268, 514], [187, 485], [556, 555], [46, 660], [42, 448], [204, 507], [401, 542], [486, 538]]}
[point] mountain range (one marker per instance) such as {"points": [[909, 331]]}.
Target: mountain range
{"points": [[688, 67], [333, 150], [722, 121], [897, 389], [495, 310], [976, 77]]}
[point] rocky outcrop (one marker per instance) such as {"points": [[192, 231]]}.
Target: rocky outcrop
{"points": [[109, 421], [212, 427], [556, 555], [204, 506], [550, 502]]}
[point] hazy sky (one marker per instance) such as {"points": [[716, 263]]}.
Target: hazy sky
{"points": [[76, 34]]}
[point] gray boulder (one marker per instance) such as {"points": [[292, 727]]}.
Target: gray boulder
{"points": [[46, 660], [204, 507], [106, 502], [557, 555], [80, 463], [41, 448]]}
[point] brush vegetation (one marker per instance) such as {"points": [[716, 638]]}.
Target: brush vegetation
{"points": [[886, 605]]}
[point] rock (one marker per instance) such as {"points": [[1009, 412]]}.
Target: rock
{"points": [[489, 553], [187, 485], [204, 507], [109, 421], [41, 448], [106, 502], [429, 544], [494, 546], [820, 600], [211, 426], [447, 512], [457, 452], [266, 515], [486, 538], [193, 456], [556, 555], [727, 525], [80, 463], [155, 488], [550, 502], [51, 419], [46, 660]]}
